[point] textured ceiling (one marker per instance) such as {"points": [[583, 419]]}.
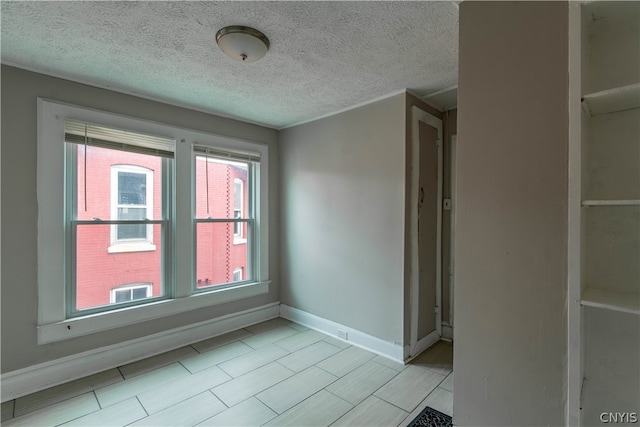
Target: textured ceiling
{"points": [[324, 56]]}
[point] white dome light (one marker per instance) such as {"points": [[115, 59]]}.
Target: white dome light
{"points": [[243, 44]]}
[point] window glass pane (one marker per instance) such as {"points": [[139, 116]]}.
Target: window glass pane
{"points": [[139, 293], [217, 254], [237, 227], [132, 188], [215, 187], [132, 213], [237, 195], [117, 179], [100, 268], [132, 231], [123, 296]]}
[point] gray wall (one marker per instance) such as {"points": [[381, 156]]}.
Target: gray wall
{"points": [[19, 210], [343, 214], [511, 219]]}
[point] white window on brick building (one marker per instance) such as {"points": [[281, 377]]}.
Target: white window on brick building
{"points": [[130, 292], [237, 274], [131, 199], [238, 196]]}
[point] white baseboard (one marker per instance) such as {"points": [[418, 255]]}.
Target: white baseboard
{"points": [[39, 377], [360, 339], [447, 332]]}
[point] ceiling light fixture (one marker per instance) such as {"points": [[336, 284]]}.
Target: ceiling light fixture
{"points": [[243, 44]]}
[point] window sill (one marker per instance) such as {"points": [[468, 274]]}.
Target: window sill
{"points": [[239, 240], [131, 247], [80, 326]]}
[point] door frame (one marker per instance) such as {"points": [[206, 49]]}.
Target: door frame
{"points": [[416, 346], [452, 244]]}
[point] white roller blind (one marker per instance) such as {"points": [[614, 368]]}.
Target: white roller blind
{"points": [[224, 154], [100, 136]]}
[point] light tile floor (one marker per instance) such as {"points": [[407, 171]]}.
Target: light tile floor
{"points": [[274, 373]]}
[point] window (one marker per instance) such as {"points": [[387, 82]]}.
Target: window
{"points": [[238, 199], [224, 216], [131, 199], [128, 293], [110, 215], [172, 221]]}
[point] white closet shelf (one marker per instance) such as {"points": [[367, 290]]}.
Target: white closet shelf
{"points": [[587, 203], [625, 302], [612, 100]]}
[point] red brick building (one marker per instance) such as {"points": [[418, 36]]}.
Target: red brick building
{"points": [[123, 262]]}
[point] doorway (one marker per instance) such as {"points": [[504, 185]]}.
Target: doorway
{"points": [[425, 231]]}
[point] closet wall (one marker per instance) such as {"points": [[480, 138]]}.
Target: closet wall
{"points": [[605, 263], [511, 215]]}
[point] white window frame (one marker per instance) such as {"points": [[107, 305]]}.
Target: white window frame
{"points": [[130, 287], [249, 213], [237, 271], [71, 223], [238, 238], [53, 324], [131, 245]]}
